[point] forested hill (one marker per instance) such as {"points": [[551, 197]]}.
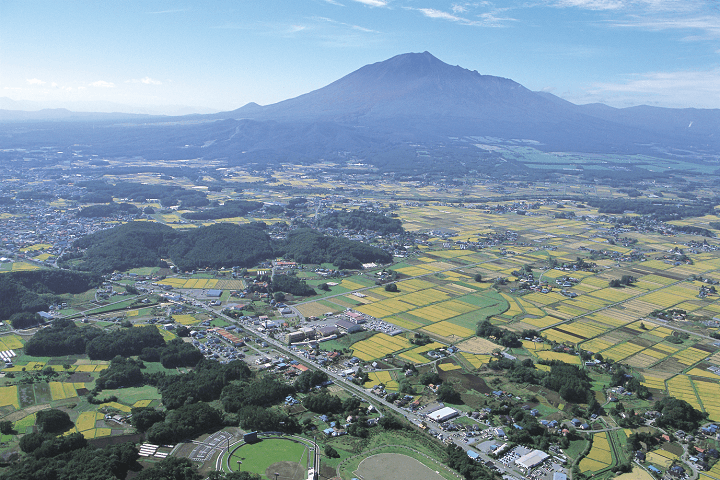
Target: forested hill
{"points": [[359, 220], [143, 244], [309, 246], [33, 291]]}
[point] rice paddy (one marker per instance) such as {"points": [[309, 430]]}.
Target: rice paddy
{"points": [[599, 456]]}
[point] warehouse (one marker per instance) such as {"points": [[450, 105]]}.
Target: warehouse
{"points": [[532, 459], [443, 415]]}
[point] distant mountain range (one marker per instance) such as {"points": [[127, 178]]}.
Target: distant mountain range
{"points": [[412, 97], [28, 110]]}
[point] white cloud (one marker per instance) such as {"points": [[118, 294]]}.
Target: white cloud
{"points": [[333, 2], [349, 25], [710, 24], [488, 19], [146, 81], [592, 4], [102, 84], [690, 88], [35, 81], [373, 3], [645, 6], [432, 13]]}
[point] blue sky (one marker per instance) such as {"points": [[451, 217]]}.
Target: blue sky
{"points": [[224, 54]]}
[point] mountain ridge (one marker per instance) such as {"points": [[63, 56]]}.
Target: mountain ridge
{"points": [[409, 98]]}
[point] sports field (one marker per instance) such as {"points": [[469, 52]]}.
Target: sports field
{"points": [[259, 457], [384, 466]]}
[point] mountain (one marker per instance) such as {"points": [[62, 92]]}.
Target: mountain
{"points": [[416, 92], [379, 111]]}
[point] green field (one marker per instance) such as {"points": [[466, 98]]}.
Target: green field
{"points": [[131, 395], [256, 458]]}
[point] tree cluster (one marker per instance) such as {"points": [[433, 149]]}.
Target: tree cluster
{"points": [[504, 337], [62, 337], [138, 192], [309, 379], [293, 285], [360, 220], [458, 460], [122, 372], [125, 342], [569, 381], [109, 210], [70, 458], [187, 421], [204, 384], [323, 403], [174, 353], [678, 414], [230, 209], [33, 291], [310, 246], [662, 211], [138, 244], [262, 391], [624, 281]]}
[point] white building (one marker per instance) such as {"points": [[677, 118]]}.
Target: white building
{"points": [[443, 415], [532, 459]]}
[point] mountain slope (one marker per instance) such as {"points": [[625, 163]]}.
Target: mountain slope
{"points": [[382, 107], [419, 94]]}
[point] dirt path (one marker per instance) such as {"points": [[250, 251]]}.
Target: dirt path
{"points": [[20, 414]]}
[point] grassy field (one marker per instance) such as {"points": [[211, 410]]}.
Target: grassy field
{"points": [[256, 458]]}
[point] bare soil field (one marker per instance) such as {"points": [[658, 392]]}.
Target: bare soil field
{"points": [[467, 380], [477, 345], [393, 465]]}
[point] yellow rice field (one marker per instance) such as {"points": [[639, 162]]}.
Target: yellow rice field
{"points": [[378, 346], [61, 391], [476, 361], [680, 387], [86, 420], [185, 319], [117, 406], [448, 329], [599, 456], [9, 396], [10, 342], [447, 367]]}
